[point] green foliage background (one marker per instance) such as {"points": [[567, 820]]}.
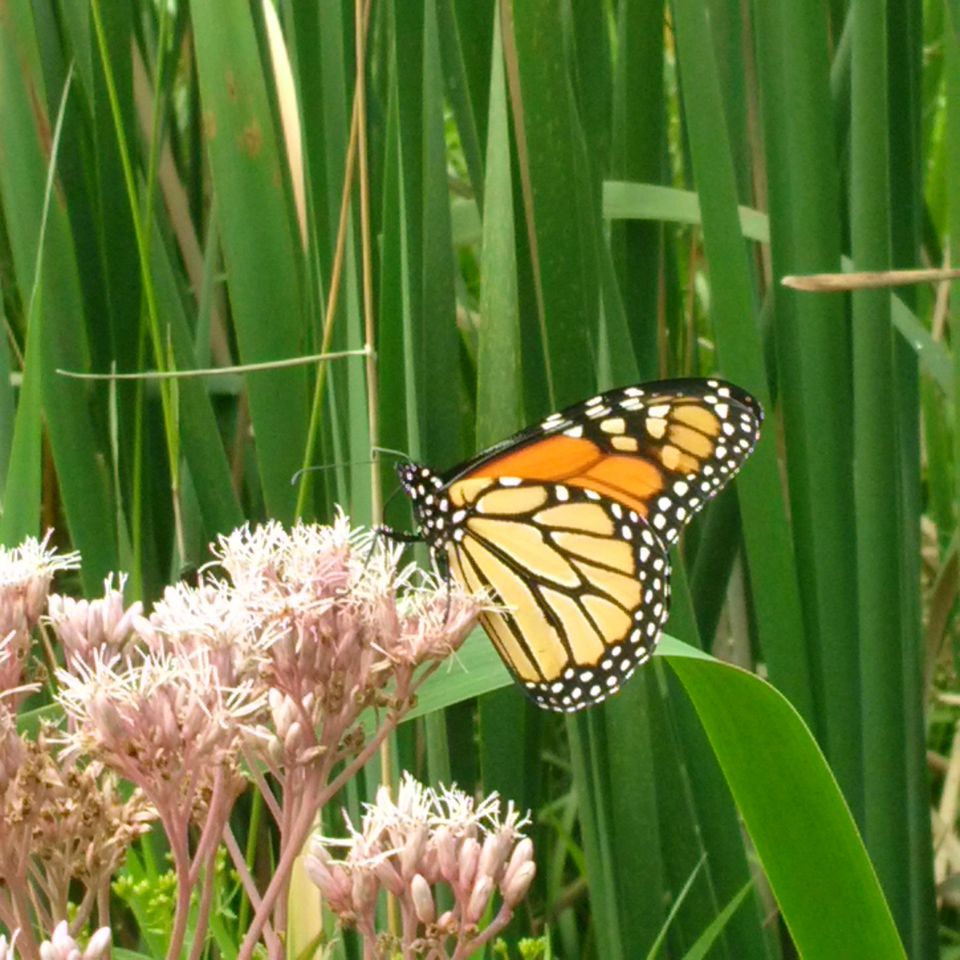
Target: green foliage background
{"points": [[546, 198]]}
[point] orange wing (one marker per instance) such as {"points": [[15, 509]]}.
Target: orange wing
{"points": [[662, 449]]}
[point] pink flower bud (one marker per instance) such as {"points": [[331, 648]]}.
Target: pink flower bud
{"points": [[495, 848], [522, 853], [422, 898], [446, 847], [364, 892], [469, 859], [275, 750], [413, 850], [60, 946], [110, 724], [292, 739], [331, 880], [479, 898], [99, 945], [169, 729], [387, 874], [36, 598], [430, 865], [515, 889]]}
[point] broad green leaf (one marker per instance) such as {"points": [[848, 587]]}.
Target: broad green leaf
{"points": [[799, 823]]}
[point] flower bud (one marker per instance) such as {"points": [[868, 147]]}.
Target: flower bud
{"points": [[515, 889], [331, 880], [292, 738], [446, 847], [494, 852], [387, 875], [422, 898], [430, 865], [479, 898], [99, 945], [413, 850], [468, 861], [364, 892], [522, 853], [108, 720], [168, 727]]}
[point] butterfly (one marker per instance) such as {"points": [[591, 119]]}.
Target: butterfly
{"points": [[567, 526]]}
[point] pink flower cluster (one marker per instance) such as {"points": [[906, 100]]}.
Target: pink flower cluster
{"points": [[263, 670], [286, 666], [425, 842]]}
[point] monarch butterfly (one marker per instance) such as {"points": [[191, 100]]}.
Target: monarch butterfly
{"points": [[567, 525]]}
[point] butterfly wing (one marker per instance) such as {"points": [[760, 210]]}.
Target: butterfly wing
{"points": [[661, 449], [583, 581], [567, 526]]}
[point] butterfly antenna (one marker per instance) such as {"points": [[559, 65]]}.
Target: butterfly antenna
{"points": [[399, 454], [318, 467]]}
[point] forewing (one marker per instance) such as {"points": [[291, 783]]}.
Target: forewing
{"points": [[662, 449], [583, 582]]}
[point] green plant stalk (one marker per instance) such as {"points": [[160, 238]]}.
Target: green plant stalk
{"points": [[813, 365], [766, 533], [141, 231], [878, 514]]}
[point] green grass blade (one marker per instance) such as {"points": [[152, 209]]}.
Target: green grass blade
{"points": [[709, 936], [766, 533], [565, 258], [878, 513], [258, 236], [55, 337], [637, 153], [813, 363], [499, 366]]}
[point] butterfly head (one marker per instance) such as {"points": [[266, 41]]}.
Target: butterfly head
{"points": [[425, 489]]}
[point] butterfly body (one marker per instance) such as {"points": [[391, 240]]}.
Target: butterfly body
{"points": [[567, 526]]}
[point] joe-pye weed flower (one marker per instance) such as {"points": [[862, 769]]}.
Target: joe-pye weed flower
{"points": [[426, 842], [265, 675]]}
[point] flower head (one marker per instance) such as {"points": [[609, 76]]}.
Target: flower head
{"points": [[163, 720], [412, 846], [26, 572], [339, 627], [208, 619], [85, 626]]}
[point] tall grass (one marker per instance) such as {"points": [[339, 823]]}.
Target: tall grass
{"points": [[523, 203]]}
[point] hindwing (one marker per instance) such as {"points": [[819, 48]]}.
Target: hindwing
{"points": [[582, 580]]}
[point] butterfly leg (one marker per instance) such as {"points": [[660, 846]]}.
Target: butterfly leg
{"points": [[397, 536]]}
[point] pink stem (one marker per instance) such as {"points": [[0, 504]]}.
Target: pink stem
{"points": [[468, 949], [176, 835], [300, 829], [27, 945], [203, 914], [218, 810], [250, 888], [260, 781]]}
